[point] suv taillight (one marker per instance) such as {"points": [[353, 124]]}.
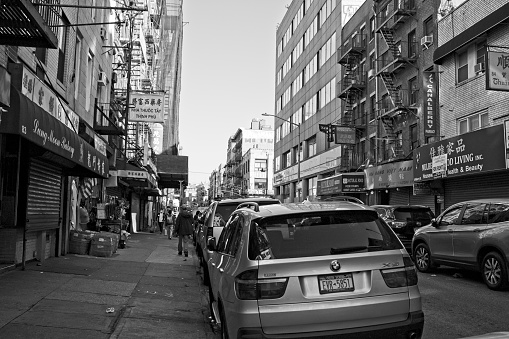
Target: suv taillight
{"points": [[401, 277], [249, 287]]}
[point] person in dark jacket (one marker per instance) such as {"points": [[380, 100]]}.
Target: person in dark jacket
{"points": [[184, 229]]}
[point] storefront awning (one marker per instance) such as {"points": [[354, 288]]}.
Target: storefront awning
{"points": [[172, 170], [468, 35], [31, 122], [22, 25]]}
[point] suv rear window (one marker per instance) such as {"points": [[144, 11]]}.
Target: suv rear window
{"points": [[319, 234], [413, 214]]}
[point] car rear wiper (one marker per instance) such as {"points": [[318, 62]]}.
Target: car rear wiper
{"points": [[347, 249]]}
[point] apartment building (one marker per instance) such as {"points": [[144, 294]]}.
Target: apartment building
{"points": [[379, 67], [469, 160], [250, 151]]}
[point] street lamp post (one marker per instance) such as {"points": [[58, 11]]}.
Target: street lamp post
{"points": [[298, 148]]}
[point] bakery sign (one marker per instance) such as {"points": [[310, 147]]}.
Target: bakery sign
{"points": [[470, 153]]}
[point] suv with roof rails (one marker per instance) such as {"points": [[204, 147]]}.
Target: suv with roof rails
{"points": [[314, 269], [213, 221]]}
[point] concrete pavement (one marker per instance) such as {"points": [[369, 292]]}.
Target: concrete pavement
{"points": [[144, 290]]}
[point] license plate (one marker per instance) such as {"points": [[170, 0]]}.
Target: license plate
{"points": [[335, 283]]}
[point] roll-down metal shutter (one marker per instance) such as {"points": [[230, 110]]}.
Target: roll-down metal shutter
{"points": [[426, 200], [494, 185], [400, 197], [44, 196]]}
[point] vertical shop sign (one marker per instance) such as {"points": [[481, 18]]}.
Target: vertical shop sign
{"points": [[430, 116], [497, 78]]}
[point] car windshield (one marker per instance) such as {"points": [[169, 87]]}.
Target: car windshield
{"points": [[413, 214], [319, 234], [223, 211]]}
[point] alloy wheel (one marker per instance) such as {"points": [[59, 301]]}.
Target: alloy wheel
{"points": [[494, 271], [422, 258]]}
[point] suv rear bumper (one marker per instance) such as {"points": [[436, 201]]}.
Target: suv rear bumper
{"points": [[410, 328]]}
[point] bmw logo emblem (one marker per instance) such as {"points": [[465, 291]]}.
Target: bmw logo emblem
{"points": [[335, 266]]}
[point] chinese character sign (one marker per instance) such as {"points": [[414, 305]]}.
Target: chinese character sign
{"points": [[498, 71], [429, 103], [146, 107]]}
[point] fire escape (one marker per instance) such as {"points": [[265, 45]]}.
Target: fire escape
{"points": [[351, 89], [398, 55]]}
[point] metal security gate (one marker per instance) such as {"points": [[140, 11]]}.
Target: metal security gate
{"points": [[426, 200], [400, 196], [494, 185], [44, 196]]}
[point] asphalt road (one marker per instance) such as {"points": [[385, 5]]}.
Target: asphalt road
{"points": [[458, 304]]}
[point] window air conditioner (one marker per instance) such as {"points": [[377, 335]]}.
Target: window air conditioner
{"points": [[478, 68], [102, 81], [371, 73], [426, 40]]}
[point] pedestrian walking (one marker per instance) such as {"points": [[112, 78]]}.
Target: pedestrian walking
{"points": [[170, 222], [160, 220], [184, 229]]}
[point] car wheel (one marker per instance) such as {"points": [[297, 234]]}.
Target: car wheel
{"points": [[224, 326], [422, 258], [494, 271]]}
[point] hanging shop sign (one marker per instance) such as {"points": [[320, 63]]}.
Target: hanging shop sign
{"points": [[341, 183], [430, 99], [465, 154], [146, 107], [396, 174], [497, 76], [344, 135]]}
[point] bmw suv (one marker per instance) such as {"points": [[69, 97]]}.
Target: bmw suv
{"points": [[321, 269]]}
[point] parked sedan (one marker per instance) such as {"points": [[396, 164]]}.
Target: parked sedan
{"points": [[473, 235], [321, 269], [405, 219]]}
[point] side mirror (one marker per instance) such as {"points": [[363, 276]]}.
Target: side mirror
{"points": [[434, 222], [211, 244]]}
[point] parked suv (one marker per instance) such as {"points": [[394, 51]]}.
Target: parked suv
{"points": [[213, 221], [405, 219], [473, 235], [320, 269]]}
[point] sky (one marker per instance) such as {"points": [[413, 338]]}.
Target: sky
{"points": [[228, 72]]}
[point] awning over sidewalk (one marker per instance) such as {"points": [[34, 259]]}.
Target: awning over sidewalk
{"points": [[31, 122], [172, 170]]}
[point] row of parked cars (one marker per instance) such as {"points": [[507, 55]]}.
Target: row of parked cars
{"points": [[332, 268]]}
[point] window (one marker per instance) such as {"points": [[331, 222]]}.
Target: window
{"points": [[311, 143], [372, 27], [473, 122], [312, 183], [278, 164], [498, 213], [287, 159], [412, 45], [77, 65], [90, 77], [414, 137], [62, 47], [428, 26], [413, 91], [467, 58], [473, 214], [451, 216], [462, 66], [372, 114]]}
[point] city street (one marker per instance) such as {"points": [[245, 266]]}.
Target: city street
{"points": [[142, 291], [458, 304]]}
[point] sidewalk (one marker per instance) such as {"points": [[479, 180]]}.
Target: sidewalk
{"points": [[144, 290]]}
